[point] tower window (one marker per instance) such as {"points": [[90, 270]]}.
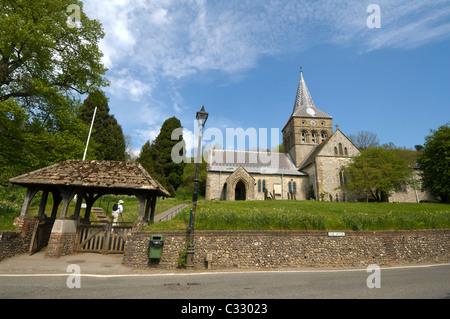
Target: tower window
{"points": [[323, 135], [304, 136], [314, 137]]}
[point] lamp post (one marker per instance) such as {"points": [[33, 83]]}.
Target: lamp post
{"points": [[201, 117]]}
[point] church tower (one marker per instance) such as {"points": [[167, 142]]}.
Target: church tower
{"points": [[307, 126]]}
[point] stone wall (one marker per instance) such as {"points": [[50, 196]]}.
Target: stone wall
{"points": [[293, 249], [215, 186], [13, 243]]}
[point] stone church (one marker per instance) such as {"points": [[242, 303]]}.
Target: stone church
{"points": [[311, 168]]}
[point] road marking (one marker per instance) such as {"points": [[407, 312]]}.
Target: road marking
{"points": [[222, 272]]}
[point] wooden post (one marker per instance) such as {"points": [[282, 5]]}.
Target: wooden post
{"points": [[141, 199], [31, 192], [57, 198], [108, 230], [90, 200], [67, 195], [147, 209], [80, 196], [43, 204], [153, 206]]}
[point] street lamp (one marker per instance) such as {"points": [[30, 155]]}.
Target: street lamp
{"points": [[201, 117]]}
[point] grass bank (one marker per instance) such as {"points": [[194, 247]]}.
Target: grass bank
{"points": [[259, 215], [311, 215]]}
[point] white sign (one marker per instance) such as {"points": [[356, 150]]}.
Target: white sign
{"points": [[277, 189], [336, 234]]}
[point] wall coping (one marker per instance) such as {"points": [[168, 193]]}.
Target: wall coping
{"points": [[291, 233]]}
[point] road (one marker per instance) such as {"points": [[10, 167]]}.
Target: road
{"points": [[396, 282]]}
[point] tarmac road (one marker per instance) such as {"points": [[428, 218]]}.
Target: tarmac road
{"points": [[104, 277]]}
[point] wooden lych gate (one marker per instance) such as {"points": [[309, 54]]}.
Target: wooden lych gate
{"points": [[102, 237], [88, 181]]}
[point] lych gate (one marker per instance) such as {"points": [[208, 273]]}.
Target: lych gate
{"points": [[88, 180]]}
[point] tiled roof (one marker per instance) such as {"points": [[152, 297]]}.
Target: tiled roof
{"points": [[96, 174], [253, 162]]}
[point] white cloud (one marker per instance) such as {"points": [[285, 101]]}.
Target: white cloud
{"points": [[149, 134], [128, 86], [150, 45], [174, 39]]}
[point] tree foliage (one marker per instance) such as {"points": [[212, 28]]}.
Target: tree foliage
{"points": [[42, 55], [156, 157], [44, 64], [107, 134], [434, 161], [26, 145], [375, 172]]}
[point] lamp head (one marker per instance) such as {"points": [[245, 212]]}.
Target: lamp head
{"points": [[202, 116]]}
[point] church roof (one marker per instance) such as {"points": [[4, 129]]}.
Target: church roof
{"points": [[304, 104], [316, 151], [93, 174], [253, 162]]}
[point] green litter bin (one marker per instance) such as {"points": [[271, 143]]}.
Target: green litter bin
{"points": [[156, 246]]}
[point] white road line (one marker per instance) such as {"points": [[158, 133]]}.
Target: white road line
{"points": [[220, 272]]}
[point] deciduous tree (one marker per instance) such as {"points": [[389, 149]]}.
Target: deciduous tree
{"points": [[45, 62], [434, 161], [375, 172]]}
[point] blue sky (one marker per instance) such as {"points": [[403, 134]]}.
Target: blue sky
{"points": [[240, 59]]}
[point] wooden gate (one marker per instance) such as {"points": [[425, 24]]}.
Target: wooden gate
{"points": [[41, 234], [102, 237]]}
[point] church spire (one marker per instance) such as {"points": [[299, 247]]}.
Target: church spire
{"points": [[303, 98], [304, 104]]}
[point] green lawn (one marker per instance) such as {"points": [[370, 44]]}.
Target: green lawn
{"points": [[311, 215], [265, 215]]}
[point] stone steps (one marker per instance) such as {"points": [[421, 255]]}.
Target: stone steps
{"points": [[100, 214]]}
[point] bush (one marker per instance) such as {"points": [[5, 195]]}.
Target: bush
{"points": [[7, 215]]}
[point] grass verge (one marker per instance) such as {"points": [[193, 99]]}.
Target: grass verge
{"points": [[310, 215]]}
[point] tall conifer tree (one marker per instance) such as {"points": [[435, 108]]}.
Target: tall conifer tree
{"points": [[156, 157], [107, 134]]}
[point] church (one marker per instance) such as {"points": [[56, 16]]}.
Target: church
{"points": [[310, 168]]}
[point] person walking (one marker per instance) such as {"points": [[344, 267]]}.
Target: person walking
{"points": [[117, 211]]}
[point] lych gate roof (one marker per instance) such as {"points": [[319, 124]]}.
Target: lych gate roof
{"points": [[253, 162], [93, 174]]}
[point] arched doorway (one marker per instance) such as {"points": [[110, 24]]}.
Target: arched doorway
{"points": [[239, 191]]}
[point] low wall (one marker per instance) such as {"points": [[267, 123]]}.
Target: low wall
{"points": [[293, 249], [14, 243]]}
